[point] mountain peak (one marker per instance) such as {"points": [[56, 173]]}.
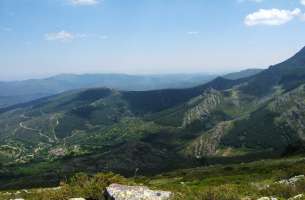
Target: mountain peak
{"points": [[298, 60], [301, 52]]}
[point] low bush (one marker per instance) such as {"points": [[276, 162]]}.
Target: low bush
{"points": [[285, 190], [223, 192], [83, 185]]}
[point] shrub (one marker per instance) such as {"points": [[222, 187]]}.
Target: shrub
{"points": [[83, 185], [224, 192], [285, 190]]}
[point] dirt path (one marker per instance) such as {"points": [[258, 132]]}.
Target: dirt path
{"points": [[36, 130]]}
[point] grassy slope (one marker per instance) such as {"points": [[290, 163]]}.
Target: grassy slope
{"points": [[102, 129], [218, 182]]}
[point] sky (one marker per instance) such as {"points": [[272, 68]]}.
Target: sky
{"points": [[39, 38]]}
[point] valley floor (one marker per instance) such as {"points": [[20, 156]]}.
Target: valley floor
{"points": [[265, 178]]}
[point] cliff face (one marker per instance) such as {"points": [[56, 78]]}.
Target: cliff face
{"points": [[276, 122], [291, 107], [121, 131], [208, 143], [203, 105]]}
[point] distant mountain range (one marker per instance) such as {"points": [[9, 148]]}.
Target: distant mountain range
{"points": [[102, 129], [242, 74], [23, 91], [15, 92]]}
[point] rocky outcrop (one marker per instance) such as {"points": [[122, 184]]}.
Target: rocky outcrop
{"points": [[77, 199], [299, 196], [123, 192], [292, 180], [289, 99], [291, 107], [16, 199], [267, 198], [208, 143], [59, 152], [202, 106]]}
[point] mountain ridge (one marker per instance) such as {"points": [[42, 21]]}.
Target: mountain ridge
{"points": [[102, 129], [243, 74], [22, 91]]}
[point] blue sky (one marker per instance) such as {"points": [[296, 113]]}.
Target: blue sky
{"points": [[46, 37]]}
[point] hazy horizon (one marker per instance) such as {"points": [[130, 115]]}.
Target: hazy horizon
{"points": [[45, 38], [46, 76]]}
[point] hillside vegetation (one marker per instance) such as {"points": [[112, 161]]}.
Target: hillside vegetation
{"points": [[101, 129], [280, 179], [13, 92]]}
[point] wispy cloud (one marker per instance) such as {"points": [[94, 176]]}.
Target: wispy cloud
{"points": [[255, 1], [62, 36], [302, 2], [84, 2], [193, 32], [271, 17]]}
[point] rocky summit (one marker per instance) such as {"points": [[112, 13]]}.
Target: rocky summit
{"points": [[123, 192]]}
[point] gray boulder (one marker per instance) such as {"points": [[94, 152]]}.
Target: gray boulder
{"points": [[123, 192], [77, 199], [299, 196], [17, 199], [292, 180], [267, 198]]}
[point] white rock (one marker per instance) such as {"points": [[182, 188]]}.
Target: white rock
{"points": [[77, 199], [267, 198], [123, 192], [299, 196], [292, 180], [25, 191]]}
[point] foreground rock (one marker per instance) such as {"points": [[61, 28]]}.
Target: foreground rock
{"points": [[299, 196], [292, 180], [267, 198], [77, 199], [16, 199], [123, 192]]}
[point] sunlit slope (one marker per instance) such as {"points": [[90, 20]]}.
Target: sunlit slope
{"points": [[104, 129]]}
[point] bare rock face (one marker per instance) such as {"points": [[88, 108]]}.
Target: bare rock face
{"points": [[202, 106], [292, 180], [267, 198], [123, 192], [208, 143], [77, 199], [291, 107], [16, 199], [299, 196]]}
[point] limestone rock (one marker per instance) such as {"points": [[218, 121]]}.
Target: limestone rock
{"points": [[16, 199], [202, 106], [267, 198], [292, 180], [299, 196], [208, 143], [77, 199], [123, 192]]}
